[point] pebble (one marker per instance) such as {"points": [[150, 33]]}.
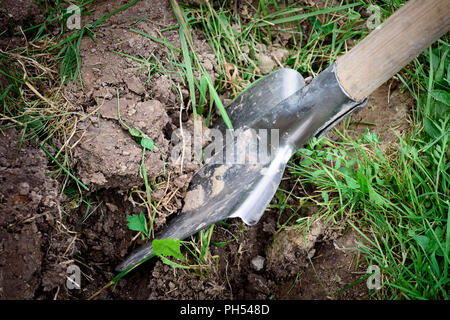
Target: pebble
{"points": [[258, 263], [24, 188]]}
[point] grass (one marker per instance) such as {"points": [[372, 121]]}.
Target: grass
{"points": [[189, 54], [70, 46], [234, 41], [32, 102]]}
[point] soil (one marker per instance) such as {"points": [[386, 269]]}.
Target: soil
{"points": [[386, 113], [43, 232], [33, 249], [16, 15]]}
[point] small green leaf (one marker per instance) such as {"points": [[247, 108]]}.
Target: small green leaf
{"points": [[347, 171], [328, 28], [442, 66], [281, 197], [350, 163], [338, 163], [148, 143], [354, 15], [434, 59], [137, 223], [317, 173], [305, 152], [442, 96], [168, 248]]}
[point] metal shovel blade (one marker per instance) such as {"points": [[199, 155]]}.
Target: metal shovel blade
{"points": [[217, 188], [271, 119]]}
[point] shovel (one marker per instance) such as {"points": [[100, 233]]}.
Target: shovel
{"points": [[284, 113]]}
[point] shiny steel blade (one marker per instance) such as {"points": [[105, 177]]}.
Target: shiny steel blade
{"points": [[224, 187]]}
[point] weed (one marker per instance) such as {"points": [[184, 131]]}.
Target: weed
{"points": [[138, 223], [31, 101], [169, 248], [146, 143]]}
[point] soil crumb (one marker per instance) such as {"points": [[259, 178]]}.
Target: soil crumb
{"points": [[194, 199]]}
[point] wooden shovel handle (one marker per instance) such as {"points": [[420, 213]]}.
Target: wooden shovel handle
{"points": [[388, 48]]}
